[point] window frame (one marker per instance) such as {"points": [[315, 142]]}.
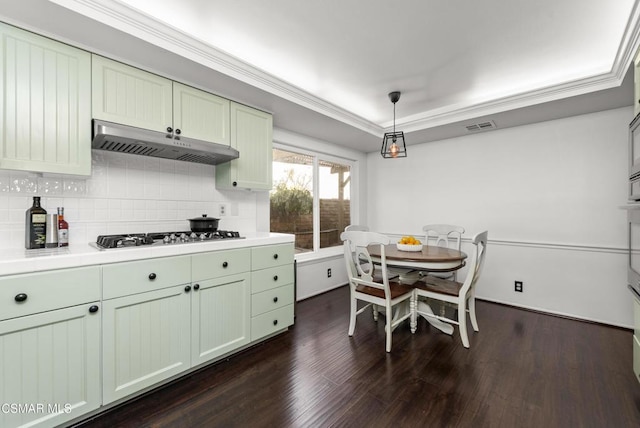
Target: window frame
{"points": [[318, 252]]}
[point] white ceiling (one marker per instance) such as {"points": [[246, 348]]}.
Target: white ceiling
{"points": [[325, 68]]}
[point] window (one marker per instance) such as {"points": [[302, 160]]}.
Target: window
{"points": [[311, 198]]}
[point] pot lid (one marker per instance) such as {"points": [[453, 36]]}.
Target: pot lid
{"points": [[204, 218]]}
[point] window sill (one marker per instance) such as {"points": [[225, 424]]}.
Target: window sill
{"points": [[324, 253]]}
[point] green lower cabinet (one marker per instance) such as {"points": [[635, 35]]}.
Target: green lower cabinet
{"points": [[220, 311]]}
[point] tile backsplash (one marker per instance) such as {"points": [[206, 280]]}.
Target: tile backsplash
{"points": [[125, 194]]}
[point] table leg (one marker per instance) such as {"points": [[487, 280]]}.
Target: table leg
{"points": [[423, 307]]}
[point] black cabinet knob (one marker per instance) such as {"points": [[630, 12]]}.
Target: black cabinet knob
{"points": [[152, 276], [275, 256], [275, 277], [235, 183], [196, 287], [20, 297], [93, 309], [225, 264], [187, 288], [275, 322], [169, 129], [275, 300], [178, 131]]}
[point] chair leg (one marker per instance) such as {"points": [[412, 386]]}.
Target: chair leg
{"points": [[387, 327], [462, 322], [472, 312], [413, 307], [352, 317], [375, 312]]}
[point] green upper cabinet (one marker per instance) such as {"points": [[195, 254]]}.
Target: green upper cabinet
{"points": [[251, 135], [130, 96], [45, 114], [201, 115]]}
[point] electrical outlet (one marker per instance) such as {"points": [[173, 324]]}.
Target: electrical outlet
{"points": [[518, 286], [329, 273], [223, 209]]}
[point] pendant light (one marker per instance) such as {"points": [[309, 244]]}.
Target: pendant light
{"points": [[393, 145]]}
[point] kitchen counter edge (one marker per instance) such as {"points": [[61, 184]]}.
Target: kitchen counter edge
{"points": [[14, 262]]}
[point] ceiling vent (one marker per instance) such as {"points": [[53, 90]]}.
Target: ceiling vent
{"points": [[482, 126]]}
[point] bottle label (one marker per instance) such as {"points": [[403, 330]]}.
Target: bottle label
{"points": [[38, 218], [63, 237]]}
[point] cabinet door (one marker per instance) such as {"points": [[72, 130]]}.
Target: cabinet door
{"points": [[201, 115], [50, 363], [130, 96], [145, 340], [251, 135], [44, 104], [221, 316]]}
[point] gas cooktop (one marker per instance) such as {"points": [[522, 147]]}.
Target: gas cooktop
{"points": [[104, 242]]}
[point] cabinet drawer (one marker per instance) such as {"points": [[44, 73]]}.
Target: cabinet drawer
{"points": [[636, 357], [270, 322], [271, 299], [45, 291], [271, 255], [267, 279], [123, 279], [636, 317], [220, 263]]}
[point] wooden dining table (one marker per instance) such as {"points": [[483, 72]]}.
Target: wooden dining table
{"points": [[430, 259]]}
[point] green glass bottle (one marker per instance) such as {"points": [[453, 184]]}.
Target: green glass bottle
{"points": [[36, 225]]}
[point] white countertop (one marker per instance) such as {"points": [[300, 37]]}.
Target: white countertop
{"points": [[23, 261]]}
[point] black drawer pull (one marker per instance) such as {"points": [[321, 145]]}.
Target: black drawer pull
{"points": [[20, 297], [93, 309], [275, 300], [275, 322], [169, 129], [275, 277], [235, 183], [225, 264], [187, 288], [178, 132], [275, 256], [196, 287], [152, 276]]}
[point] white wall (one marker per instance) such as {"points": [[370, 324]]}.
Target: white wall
{"points": [[550, 196]]}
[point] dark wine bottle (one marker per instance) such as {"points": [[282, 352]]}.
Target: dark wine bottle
{"points": [[36, 225], [63, 229]]}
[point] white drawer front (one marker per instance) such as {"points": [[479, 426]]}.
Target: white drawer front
{"points": [[270, 322], [32, 293], [266, 279], [124, 279], [271, 299]]}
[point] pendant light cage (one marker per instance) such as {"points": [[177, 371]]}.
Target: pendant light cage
{"points": [[393, 144]]}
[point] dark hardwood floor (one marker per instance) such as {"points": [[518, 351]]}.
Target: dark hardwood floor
{"points": [[523, 369]]}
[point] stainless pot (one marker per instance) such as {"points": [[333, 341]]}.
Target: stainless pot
{"points": [[203, 224]]}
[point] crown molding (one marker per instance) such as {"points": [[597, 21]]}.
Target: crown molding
{"points": [[129, 20]]}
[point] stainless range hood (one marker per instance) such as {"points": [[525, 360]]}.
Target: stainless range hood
{"points": [[114, 137]]}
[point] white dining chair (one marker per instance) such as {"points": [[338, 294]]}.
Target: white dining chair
{"points": [[462, 295], [356, 227], [444, 235], [371, 284]]}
